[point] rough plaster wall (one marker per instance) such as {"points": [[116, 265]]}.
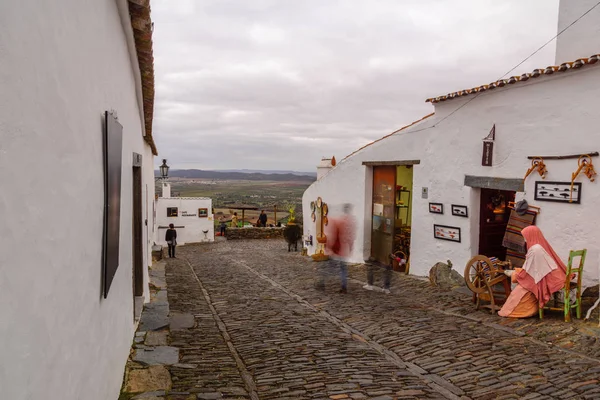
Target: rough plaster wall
{"points": [[194, 226], [583, 38], [148, 190], [61, 66], [548, 115]]}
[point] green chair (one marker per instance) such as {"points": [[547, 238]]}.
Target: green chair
{"points": [[567, 306]]}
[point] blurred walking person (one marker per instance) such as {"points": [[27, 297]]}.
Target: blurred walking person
{"points": [[341, 233]]}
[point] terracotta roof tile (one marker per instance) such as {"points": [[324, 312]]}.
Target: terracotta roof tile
{"points": [[515, 79], [139, 11]]}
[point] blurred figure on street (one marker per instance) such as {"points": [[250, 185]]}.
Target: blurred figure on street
{"points": [[341, 233]]}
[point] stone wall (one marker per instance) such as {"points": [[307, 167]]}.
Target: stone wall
{"points": [[254, 233]]}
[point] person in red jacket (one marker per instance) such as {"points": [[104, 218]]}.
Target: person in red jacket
{"points": [[341, 233]]}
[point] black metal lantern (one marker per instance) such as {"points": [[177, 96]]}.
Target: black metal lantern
{"points": [[164, 170]]}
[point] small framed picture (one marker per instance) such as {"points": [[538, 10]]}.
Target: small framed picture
{"points": [[558, 192], [436, 208], [460, 211], [202, 212], [442, 232]]}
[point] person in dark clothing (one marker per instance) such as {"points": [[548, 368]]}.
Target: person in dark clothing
{"points": [[263, 218], [223, 228], [171, 238]]}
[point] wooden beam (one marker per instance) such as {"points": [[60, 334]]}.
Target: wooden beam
{"points": [[382, 163], [571, 156]]}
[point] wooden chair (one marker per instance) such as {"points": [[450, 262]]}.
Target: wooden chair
{"points": [[567, 306]]}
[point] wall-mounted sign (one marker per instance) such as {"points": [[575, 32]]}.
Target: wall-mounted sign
{"points": [[202, 212], [488, 148], [187, 214], [424, 193]]}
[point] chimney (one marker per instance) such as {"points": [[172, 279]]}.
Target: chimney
{"points": [[166, 190], [583, 38], [325, 166]]}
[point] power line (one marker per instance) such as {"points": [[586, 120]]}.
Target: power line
{"points": [[512, 69], [549, 41]]}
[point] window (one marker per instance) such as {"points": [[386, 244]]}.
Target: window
{"points": [[202, 212], [171, 211]]}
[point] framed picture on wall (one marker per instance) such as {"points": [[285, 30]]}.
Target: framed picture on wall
{"points": [[202, 212], [436, 208], [460, 211], [558, 191], [443, 232]]}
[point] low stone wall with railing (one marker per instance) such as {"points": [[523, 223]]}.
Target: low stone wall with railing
{"points": [[254, 233]]}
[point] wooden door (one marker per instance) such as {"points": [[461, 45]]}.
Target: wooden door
{"points": [[383, 213], [137, 234], [494, 214]]}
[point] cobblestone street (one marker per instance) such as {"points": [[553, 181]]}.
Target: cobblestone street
{"points": [[258, 328]]}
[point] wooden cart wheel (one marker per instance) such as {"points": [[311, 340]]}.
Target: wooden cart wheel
{"points": [[477, 272]]}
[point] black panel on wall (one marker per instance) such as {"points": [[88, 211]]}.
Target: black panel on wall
{"points": [[113, 145]]}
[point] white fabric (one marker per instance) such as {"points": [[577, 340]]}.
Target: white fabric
{"points": [[538, 263]]}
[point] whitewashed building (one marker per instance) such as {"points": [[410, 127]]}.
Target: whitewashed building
{"points": [[437, 162], [76, 193], [192, 217]]}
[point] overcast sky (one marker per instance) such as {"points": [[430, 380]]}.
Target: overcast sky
{"points": [[277, 84]]}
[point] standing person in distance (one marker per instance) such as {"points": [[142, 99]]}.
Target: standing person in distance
{"points": [[234, 220], [171, 239], [263, 218], [223, 227]]}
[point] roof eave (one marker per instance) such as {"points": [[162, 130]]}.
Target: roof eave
{"points": [[536, 73], [141, 23]]}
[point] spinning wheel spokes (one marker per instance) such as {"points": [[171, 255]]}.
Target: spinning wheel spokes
{"points": [[478, 272]]}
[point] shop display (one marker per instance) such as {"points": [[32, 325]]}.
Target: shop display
{"points": [[537, 164], [584, 164]]}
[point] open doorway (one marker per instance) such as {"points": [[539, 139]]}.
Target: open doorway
{"points": [[391, 214], [494, 216]]}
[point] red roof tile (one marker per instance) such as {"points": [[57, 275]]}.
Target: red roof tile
{"points": [[514, 79]]}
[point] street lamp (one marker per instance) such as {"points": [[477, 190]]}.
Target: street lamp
{"points": [[164, 169]]}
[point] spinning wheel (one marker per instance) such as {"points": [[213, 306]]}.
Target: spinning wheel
{"points": [[482, 274]]}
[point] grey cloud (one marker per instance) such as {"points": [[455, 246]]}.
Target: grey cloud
{"points": [[278, 84]]}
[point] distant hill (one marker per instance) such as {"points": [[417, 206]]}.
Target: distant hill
{"points": [[262, 171], [232, 175]]}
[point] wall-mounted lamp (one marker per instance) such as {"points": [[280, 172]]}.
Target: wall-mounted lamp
{"points": [[164, 169]]}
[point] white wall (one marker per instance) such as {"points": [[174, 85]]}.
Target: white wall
{"points": [[62, 65], [583, 38], [190, 228], [545, 116]]}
